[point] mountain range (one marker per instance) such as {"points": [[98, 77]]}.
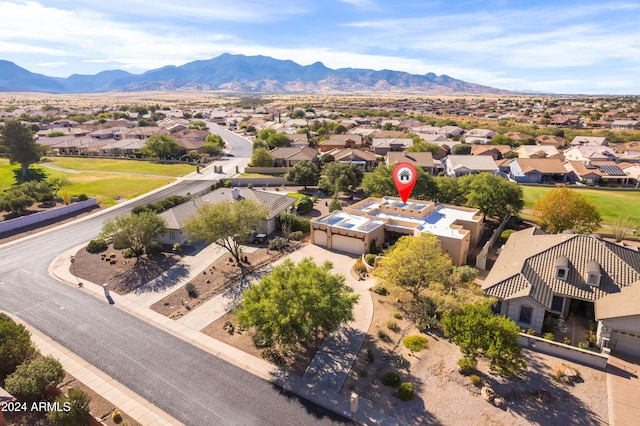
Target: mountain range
{"points": [[240, 74]]}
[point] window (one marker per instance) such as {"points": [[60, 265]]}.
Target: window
{"points": [[557, 303], [172, 235], [593, 279], [562, 273], [526, 312]]}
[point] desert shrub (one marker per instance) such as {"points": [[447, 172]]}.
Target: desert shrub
{"points": [[475, 380], [392, 325], [531, 332], [548, 336], [405, 391], [96, 245], [296, 235], [359, 267], [278, 243], [305, 205], [77, 413], [82, 197], [116, 416], [373, 247], [153, 249], [397, 315], [504, 236], [191, 289], [295, 223], [119, 245], [128, 253], [112, 255], [567, 341], [380, 289], [382, 335], [583, 345], [273, 355], [391, 378], [465, 365], [32, 380], [370, 258], [415, 343]]}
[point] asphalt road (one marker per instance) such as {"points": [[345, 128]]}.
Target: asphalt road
{"points": [[188, 383]]}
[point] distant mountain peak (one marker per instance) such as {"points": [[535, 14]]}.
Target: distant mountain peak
{"points": [[241, 73]]}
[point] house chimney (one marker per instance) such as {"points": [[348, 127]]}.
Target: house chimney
{"points": [[235, 193]]}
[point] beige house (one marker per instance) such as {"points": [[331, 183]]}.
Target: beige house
{"points": [[540, 275], [386, 219]]}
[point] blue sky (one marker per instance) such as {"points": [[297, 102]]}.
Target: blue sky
{"points": [[590, 47]]}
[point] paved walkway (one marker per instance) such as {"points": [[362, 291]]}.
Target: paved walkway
{"points": [[623, 383], [321, 382]]}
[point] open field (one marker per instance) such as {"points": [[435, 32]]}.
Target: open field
{"points": [[106, 187], [128, 166], [610, 204]]}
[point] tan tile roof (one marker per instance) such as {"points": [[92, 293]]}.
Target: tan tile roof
{"points": [[622, 304], [542, 165], [529, 259], [421, 159]]}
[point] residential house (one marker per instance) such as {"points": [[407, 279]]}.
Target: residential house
{"points": [[555, 141], [589, 141], [518, 136], [462, 165], [176, 217], [424, 160], [123, 147], [495, 151], [537, 170], [299, 140], [537, 151], [590, 153], [597, 172], [389, 134], [538, 275], [288, 156], [366, 159], [618, 316], [479, 136], [384, 220], [341, 142], [144, 132], [381, 146], [625, 124], [633, 171]]}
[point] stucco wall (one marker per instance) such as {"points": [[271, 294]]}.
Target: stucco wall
{"points": [[32, 219], [537, 317], [561, 350]]}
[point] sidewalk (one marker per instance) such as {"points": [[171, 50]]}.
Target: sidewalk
{"points": [[325, 375]]}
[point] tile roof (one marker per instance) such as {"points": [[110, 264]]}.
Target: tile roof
{"points": [[527, 267]]}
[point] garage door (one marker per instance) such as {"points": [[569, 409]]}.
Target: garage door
{"points": [[347, 244], [320, 238], [626, 343]]}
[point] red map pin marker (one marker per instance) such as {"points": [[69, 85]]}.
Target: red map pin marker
{"points": [[405, 177]]}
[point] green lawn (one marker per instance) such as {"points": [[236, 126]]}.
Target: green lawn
{"points": [[127, 166], [102, 185], [610, 204]]}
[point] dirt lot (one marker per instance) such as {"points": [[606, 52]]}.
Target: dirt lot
{"points": [[218, 277], [122, 275], [443, 396]]}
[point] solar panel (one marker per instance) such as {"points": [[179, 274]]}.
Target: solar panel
{"points": [[612, 170]]}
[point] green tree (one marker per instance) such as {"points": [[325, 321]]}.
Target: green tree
{"points": [[327, 158], [15, 345], [20, 146], [448, 191], [16, 200], [227, 224], [461, 149], [493, 195], [503, 140], [78, 413], [341, 177], [563, 208], [214, 144], [415, 263], [296, 302], [304, 173], [57, 183], [161, 146], [480, 333], [33, 379], [134, 231], [278, 139], [261, 157], [379, 183], [335, 203]]}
